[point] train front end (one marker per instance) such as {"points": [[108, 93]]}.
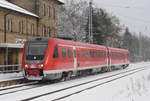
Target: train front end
{"points": [[33, 58]]}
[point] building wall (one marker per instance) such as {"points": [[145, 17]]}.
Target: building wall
{"points": [[46, 25], [48, 21], [2, 51], [13, 35], [47, 10]]}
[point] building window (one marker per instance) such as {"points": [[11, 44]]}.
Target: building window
{"points": [[43, 30], [48, 11], [21, 27], [10, 25], [44, 10], [53, 13], [49, 32], [32, 29]]}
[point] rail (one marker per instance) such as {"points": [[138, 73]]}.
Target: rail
{"points": [[10, 68]]}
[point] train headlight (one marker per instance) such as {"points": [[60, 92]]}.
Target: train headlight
{"points": [[41, 65], [26, 65]]}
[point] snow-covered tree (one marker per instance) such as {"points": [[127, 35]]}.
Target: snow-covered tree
{"points": [[72, 19]]}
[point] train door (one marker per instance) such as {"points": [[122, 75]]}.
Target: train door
{"points": [[108, 59], [75, 58]]}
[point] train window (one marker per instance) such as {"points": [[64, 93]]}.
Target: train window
{"points": [[117, 55], [97, 54], [86, 53], [112, 55], [93, 54], [82, 52], [55, 55], [104, 54], [101, 54], [63, 52], [90, 54], [69, 53]]}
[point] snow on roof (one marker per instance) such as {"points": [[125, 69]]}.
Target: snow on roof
{"points": [[61, 1], [11, 6]]}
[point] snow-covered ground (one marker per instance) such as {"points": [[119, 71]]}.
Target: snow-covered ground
{"points": [[135, 87], [132, 88]]}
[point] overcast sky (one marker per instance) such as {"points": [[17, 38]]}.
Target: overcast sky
{"points": [[133, 13]]}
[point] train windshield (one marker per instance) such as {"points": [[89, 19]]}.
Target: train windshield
{"points": [[36, 51]]}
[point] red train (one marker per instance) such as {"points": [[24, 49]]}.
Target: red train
{"points": [[50, 58]]}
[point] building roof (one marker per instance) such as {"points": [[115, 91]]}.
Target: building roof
{"points": [[7, 5]]}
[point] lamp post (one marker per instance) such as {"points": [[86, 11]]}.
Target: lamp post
{"points": [[90, 23]]}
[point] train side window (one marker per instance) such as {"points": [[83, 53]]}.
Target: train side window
{"points": [[104, 54], [112, 55], [55, 55], [93, 54], [63, 52], [97, 54], [86, 53], [69, 53], [101, 54], [82, 52], [117, 55], [90, 54]]}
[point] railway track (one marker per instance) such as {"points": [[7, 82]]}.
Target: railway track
{"points": [[68, 90], [17, 88], [71, 90]]}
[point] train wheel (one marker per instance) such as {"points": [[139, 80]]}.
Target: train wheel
{"points": [[66, 76], [108, 69]]}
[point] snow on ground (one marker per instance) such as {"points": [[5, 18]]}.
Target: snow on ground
{"points": [[132, 88]]}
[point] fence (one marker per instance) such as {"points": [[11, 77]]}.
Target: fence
{"points": [[10, 68]]}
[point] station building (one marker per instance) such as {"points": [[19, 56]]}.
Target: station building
{"points": [[23, 19]]}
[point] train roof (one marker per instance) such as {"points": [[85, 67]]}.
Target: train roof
{"points": [[118, 49], [73, 43]]}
